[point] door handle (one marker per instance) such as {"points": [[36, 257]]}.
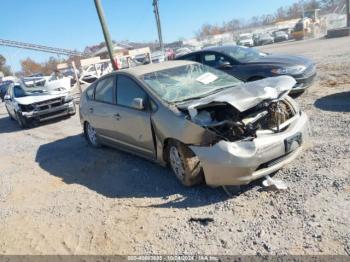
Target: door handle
{"points": [[117, 116], [91, 110]]}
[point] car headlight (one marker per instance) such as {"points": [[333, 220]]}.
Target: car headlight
{"points": [[68, 99], [291, 70]]}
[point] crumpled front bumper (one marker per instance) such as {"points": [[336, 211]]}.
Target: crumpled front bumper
{"points": [[239, 163], [58, 111]]}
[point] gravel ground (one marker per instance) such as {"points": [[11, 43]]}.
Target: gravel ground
{"points": [[59, 196]]}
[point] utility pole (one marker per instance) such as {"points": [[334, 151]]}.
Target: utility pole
{"points": [[159, 28], [347, 13], [106, 34]]}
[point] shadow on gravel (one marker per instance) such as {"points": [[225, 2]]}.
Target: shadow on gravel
{"points": [[116, 174], [338, 102], [7, 125]]}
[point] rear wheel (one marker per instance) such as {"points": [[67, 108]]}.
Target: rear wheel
{"points": [[185, 164], [91, 135]]}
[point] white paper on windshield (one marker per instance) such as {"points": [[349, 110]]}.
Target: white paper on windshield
{"points": [[207, 78]]}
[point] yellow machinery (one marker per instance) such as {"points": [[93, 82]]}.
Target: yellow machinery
{"points": [[309, 26]]}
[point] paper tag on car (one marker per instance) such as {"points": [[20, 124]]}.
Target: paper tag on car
{"points": [[206, 78]]}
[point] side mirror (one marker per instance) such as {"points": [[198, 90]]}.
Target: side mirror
{"points": [[138, 103], [7, 97], [225, 65]]}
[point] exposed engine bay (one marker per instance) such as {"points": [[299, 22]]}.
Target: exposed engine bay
{"points": [[230, 124]]}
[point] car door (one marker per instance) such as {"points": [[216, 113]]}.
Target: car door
{"points": [[9, 103], [132, 125], [217, 60], [191, 57], [102, 107]]}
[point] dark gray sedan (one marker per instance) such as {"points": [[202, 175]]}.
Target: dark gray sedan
{"points": [[249, 64]]}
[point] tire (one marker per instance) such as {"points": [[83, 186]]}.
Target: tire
{"points": [[232, 191], [21, 120], [184, 164], [90, 135], [11, 117]]}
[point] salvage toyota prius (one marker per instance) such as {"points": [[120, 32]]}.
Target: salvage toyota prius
{"points": [[207, 125]]}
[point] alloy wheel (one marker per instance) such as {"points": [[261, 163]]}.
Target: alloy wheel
{"points": [[176, 162]]}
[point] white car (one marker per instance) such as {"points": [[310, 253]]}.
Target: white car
{"points": [[246, 40], [36, 105]]}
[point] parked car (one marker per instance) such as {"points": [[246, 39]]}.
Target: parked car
{"points": [[280, 36], [207, 125], [249, 64], [264, 39], [36, 105], [246, 40], [182, 51], [3, 88]]}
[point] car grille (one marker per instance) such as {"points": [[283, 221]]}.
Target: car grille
{"points": [[49, 104], [53, 114]]}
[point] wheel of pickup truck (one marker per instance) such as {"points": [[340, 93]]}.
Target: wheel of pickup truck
{"points": [[21, 120], [91, 135], [185, 164], [10, 116]]}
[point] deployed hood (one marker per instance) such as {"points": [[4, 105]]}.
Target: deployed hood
{"points": [[248, 95], [27, 100]]}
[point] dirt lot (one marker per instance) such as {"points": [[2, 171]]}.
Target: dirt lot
{"points": [[59, 196]]}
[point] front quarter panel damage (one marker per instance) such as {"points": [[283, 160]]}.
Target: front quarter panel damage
{"points": [[174, 125]]}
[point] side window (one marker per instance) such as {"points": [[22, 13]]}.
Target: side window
{"points": [[191, 57], [214, 60], [127, 90], [104, 90], [209, 59], [90, 92]]}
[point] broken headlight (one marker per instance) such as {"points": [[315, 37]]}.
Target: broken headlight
{"points": [[26, 108], [290, 70], [68, 99]]}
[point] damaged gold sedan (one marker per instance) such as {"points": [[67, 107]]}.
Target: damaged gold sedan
{"points": [[207, 125]]}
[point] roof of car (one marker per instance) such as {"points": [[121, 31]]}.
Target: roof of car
{"points": [[145, 69]]}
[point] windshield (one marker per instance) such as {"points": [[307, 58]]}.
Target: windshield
{"points": [[18, 91], [188, 82], [242, 54], [265, 36], [245, 37]]}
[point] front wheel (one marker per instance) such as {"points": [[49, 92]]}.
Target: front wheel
{"points": [[10, 116], [185, 164], [232, 191], [21, 120], [91, 135]]}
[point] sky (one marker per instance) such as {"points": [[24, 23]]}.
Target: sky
{"points": [[74, 24]]}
